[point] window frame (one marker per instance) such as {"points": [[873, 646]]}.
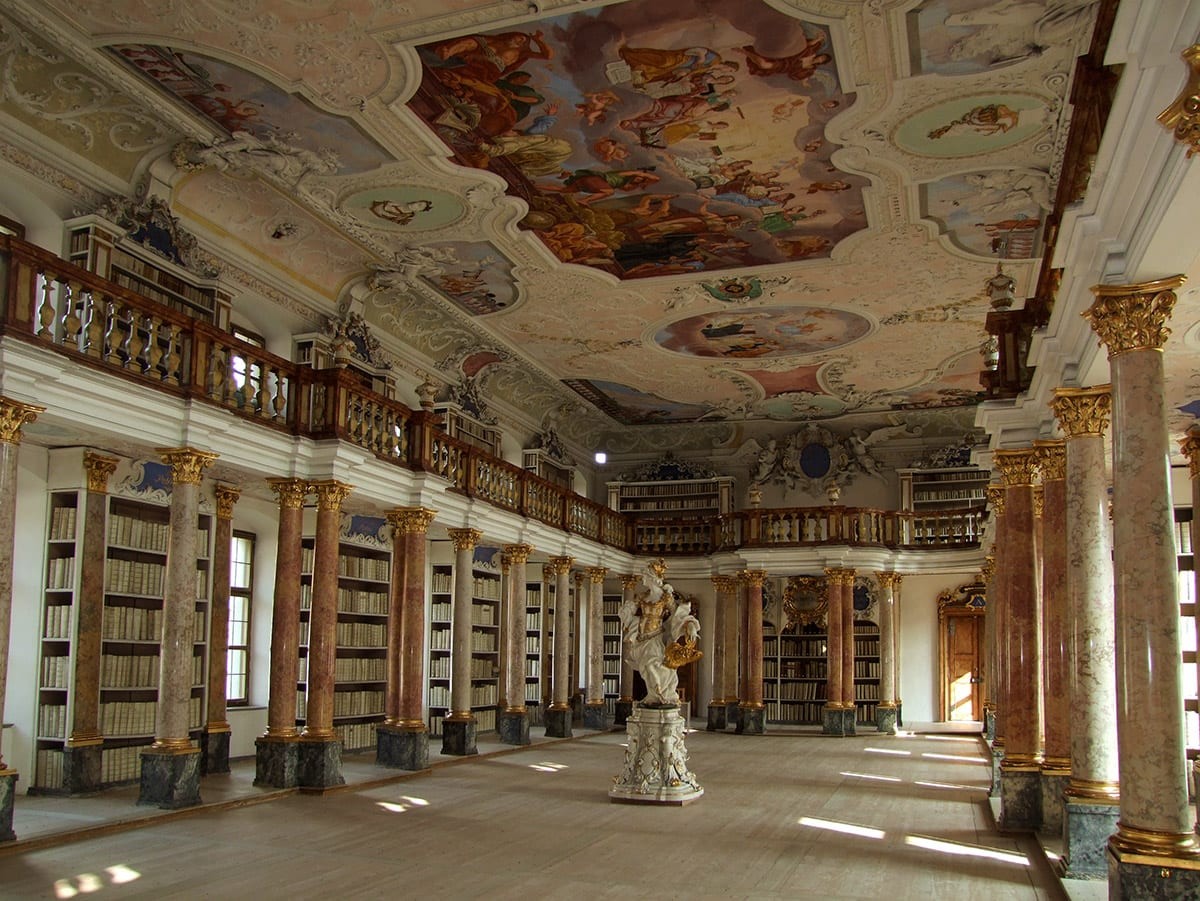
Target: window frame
{"points": [[239, 595]]}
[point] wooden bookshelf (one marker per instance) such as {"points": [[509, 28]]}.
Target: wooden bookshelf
{"points": [[612, 652], [534, 675], [485, 637], [794, 674], [866, 671], [676, 499], [955, 488], [441, 610]]}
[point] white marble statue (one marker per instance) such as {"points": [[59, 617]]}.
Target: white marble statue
{"points": [[651, 621]]}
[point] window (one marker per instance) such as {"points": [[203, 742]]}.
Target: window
{"points": [[241, 582]]}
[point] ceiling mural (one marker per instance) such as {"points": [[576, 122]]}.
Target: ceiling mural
{"points": [[635, 133], [405, 208], [972, 126], [997, 213], [632, 407], [763, 332], [480, 281]]}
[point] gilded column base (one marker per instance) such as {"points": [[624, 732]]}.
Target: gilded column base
{"points": [[319, 763], [1087, 827], [214, 750], [558, 722], [458, 736], [1146, 865], [622, 711], [1020, 797], [513, 726], [276, 758], [82, 768], [170, 777], [717, 716], [399, 746], [8, 790]]}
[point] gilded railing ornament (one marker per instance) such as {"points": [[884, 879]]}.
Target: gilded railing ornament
{"points": [[1017, 466], [13, 415], [330, 494], [1082, 411], [99, 469], [1133, 317], [1183, 116], [411, 520], [227, 496], [464, 539], [187, 464], [289, 492]]}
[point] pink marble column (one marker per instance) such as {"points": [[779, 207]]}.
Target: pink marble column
{"points": [[717, 706], [285, 615], [504, 613], [593, 712], [751, 709], [1155, 816], [394, 664], [1056, 650], [513, 722], [998, 603], [13, 415], [170, 772], [1093, 793], [82, 755], [558, 715], [987, 574], [214, 741], [1020, 777], [847, 586], [885, 711], [834, 713], [743, 684], [322, 638], [461, 645]]}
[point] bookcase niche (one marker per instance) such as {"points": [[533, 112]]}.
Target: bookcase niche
{"points": [[866, 671], [135, 558], [360, 665], [534, 632], [441, 610], [794, 673], [612, 652]]}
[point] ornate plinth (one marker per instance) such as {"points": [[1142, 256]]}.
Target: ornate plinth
{"points": [[1087, 827], [401, 748], [596, 717], [81, 769], [513, 727], [558, 722], [989, 725], [276, 761], [214, 751], [623, 711], [997, 757], [8, 788], [751, 720], [319, 764], [170, 779], [458, 737], [1054, 783], [1150, 877], [655, 761], [1020, 798], [885, 719], [833, 720], [717, 718]]}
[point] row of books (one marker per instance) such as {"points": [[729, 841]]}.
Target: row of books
{"points": [[439, 696], [866, 647], [533, 668], [483, 614], [612, 685], [483, 695], [441, 582], [141, 534], [485, 720], [533, 621], [441, 611], [611, 606], [356, 736], [533, 644], [612, 646], [797, 691], [612, 627], [861, 628], [120, 764], [351, 669], [483, 641], [350, 600], [139, 624], [439, 640], [48, 768], [793, 712], [439, 668], [60, 572], [370, 568], [795, 647], [866, 691], [62, 523], [794, 669], [134, 577], [486, 587], [58, 622], [124, 718], [56, 672], [482, 668], [865, 669], [361, 635], [52, 721]]}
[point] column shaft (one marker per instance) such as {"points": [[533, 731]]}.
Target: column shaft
{"points": [[460, 638], [561, 694], [412, 630], [751, 710], [719, 628], [628, 583], [394, 665], [595, 641], [833, 641], [215, 739], [515, 624], [1055, 608], [847, 588], [285, 612]]}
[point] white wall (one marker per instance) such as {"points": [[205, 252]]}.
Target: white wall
{"points": [[919, 643]]}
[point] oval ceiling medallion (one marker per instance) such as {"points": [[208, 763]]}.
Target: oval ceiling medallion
{"points": [[763, 333], [406, 208], [972, 126]]}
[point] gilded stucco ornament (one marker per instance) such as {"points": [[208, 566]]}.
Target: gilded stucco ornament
{"points": [[1133, 317], [411, 520], [464, 539], [1082, 411], [187, 464], [1017, 467], [1183, 116], [289, 492], [99, 469]]}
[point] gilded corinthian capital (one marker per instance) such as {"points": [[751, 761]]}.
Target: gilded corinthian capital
{"points": [[1051, 458], [411, 520], [13, 415], [187, 464], [1017, 467], [1082, 411], [1133, 317]]}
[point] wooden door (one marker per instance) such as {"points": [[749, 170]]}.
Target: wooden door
{"points": [[962, 640]]}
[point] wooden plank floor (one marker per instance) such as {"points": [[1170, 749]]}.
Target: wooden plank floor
{"points": [[895, 817]]}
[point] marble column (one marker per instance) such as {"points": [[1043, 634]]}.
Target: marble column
{"points": [[402, 740], [513, 721], [998, 600], [743, 654], [1056, 656], [625, 704], [732, 637], [82, 754], [558, 715], [13, 415], [987, 573], [170, 776], [717, 707], [1190, 445], [897, 609], [276, 751], [319, 763], [1156, 821], [547, 656], [1020, 770], [833, 716], [214, 740], [849, 708], [459, 728], [504, 612], [594, 714], [1092, 795], [578, 657], [752, 711], [885, 711]]}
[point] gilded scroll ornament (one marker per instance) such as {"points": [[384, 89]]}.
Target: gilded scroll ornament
{"points": [[227, 496], [1190, 445], [518, 553], [1051, 459], [995, 498], [330, 494], [1133, 317], [597, 574], [13, 415], [1183, 116], [1082, 411], [561, 565]]}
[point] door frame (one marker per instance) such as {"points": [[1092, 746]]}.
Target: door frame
{"points": [[966, 601]]}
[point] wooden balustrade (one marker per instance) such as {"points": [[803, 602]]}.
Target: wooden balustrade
{"points": [[57, 305]]}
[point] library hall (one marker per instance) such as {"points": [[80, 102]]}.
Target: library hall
{"points": [[634, 448]]}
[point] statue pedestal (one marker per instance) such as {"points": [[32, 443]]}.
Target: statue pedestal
{"points": [[655, 760]]}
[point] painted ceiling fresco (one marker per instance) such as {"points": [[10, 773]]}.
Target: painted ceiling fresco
{"points": [[647, 213], [655, 138]]}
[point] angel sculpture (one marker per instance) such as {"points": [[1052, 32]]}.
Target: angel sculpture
{"points": [[651, 622]]}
